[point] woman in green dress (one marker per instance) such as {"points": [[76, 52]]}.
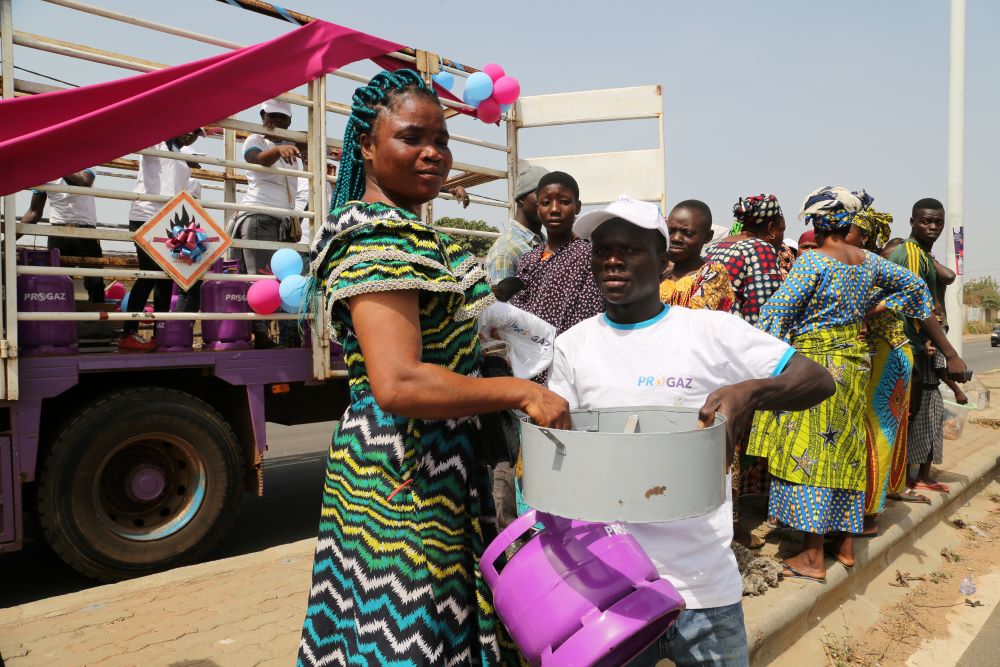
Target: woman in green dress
{"points": [[406, 505]]}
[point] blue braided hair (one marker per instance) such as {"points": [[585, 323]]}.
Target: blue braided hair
{"points": [[367, 103]]}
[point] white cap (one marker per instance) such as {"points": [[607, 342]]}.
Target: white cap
{"points": [[791, 243], [639, 213], [277, 106]]}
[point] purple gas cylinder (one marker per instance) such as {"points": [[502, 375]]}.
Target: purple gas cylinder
{"points": [[578, 593], [225, 296], [174, 335], [45, 294]]}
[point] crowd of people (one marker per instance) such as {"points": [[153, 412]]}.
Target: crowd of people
{"points": [[825, 355]]}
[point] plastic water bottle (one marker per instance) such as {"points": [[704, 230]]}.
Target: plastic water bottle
{"points": [[968, 586]]}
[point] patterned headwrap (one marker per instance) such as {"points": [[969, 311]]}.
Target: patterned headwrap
{"points": [[753, 210], [833, 208], [878, 225]]}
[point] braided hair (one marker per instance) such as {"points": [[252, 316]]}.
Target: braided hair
{"points": [[367, 103]]}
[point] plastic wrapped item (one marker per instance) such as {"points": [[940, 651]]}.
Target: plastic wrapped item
{"points": [[955, 416], [528, 337], [968, 586]]}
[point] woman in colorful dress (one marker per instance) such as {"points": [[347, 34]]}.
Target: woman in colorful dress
{"points": [[690, 281], [750, 252], [817, 457], [406, 505]]}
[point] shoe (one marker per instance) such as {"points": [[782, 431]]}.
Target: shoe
{"points": [[132, 343], [263, 343]]}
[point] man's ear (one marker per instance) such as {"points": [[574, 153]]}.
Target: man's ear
{"points": [[579, 205], [710, 235]]}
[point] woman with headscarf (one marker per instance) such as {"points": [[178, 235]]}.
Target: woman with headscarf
{"points": [[750, 252], [406, 500], [817, 458], [750, 257]]}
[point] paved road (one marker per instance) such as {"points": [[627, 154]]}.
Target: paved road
{"points": [[288, 511], [980, 356]]}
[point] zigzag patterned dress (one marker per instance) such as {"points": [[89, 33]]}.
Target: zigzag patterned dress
{"points": [[405, 506]]}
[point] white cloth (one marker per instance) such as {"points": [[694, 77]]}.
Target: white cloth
{"points": [[674, 359], [67, 209], [265, 189], [158, 176]]}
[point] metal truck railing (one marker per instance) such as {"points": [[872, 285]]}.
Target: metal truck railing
{"points": [[318, 144]]}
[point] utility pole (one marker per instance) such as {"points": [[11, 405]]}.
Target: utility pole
{"points": [[954, 222]]}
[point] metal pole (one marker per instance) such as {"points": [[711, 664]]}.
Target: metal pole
{"points": [[8, 346], [954, 228]]}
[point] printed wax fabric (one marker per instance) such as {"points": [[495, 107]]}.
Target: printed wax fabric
{"points": [[406, 507], [753, 272], [708, 288]]}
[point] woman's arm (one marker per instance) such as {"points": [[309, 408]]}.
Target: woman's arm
{"points": [[387, 325]]}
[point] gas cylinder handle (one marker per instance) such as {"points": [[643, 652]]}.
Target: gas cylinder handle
{"points": [[510, 534]]}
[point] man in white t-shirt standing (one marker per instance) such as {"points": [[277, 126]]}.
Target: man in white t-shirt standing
{"points": [[274, 190], [640, 353], [69, 210]]}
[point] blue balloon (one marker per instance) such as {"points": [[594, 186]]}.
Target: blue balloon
{"points": [[123, 306], [292, 290], [286, 262], [289, 308], [444, 79], [505, 107], [468, 100], [479, 86]]}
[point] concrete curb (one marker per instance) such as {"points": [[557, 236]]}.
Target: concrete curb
{"points": [[805, 604]]}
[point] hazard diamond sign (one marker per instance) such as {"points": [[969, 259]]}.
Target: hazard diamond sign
{"points": [[183, 239]]}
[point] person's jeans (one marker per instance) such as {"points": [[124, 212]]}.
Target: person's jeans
{"points": [[713, 636], [82, 248], [139, 294]]}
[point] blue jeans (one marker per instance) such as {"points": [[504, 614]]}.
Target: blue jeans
{"points": [[713, 636]]}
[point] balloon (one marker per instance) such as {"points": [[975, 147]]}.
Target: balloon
{"points": [[264, 296], [494, 71], [286, 262], [289, 308], [115, 291], [292, 290], [504, 108], [479, 86], [506, 90], [123, 306], [468, 100], [444, 79], [488, 111]]}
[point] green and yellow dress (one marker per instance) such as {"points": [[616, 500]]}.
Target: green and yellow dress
{"points": [[406, 508], [817, 457]]}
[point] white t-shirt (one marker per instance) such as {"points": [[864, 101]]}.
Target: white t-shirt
{"points": [[65, 209], [265, 189], [158, 176], [674, 359]]}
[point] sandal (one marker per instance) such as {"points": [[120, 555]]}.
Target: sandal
{"points": [[831, 550], [936, 486], [910, 496], [795, 574]]}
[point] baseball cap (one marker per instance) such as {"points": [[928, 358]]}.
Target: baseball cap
{"points": [[639, 213], [527, 179], [791, 243], [276, 106]]}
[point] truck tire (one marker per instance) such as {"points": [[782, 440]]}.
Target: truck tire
{"points": [[141, 480]]}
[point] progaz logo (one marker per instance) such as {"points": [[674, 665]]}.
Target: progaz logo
{"points": [[664, 381]]}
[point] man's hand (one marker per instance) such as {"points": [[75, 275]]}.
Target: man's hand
{"points": [[288, 152], [736, 403], [961, 398]]}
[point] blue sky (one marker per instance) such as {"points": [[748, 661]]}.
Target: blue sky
{"points": [[767, 96]]}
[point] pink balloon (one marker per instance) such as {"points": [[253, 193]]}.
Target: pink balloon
{"points": [[263, 297], [494, 71], [506, 89], [115, 291], [488, 111]]}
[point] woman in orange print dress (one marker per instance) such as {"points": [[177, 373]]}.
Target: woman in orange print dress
{"points": [[690, 281]]}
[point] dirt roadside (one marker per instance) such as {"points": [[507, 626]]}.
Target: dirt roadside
{"points": [[914, 614]]}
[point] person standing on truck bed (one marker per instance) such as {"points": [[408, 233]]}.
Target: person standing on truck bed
{"points": [[406, 504], [523, 233], [157, 176], [69, 210], [274, 190]]}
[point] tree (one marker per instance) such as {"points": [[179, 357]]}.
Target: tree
{"points": [[982, 292], [476, 245]]}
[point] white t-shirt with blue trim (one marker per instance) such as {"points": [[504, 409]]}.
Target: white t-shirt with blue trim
{"points": [[677, 358]]}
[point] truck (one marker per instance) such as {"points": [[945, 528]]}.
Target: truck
{"points": [[128, 464]]}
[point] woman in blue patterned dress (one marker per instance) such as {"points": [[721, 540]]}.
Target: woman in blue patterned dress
{"points": [[406, 506], [817, 457]]}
